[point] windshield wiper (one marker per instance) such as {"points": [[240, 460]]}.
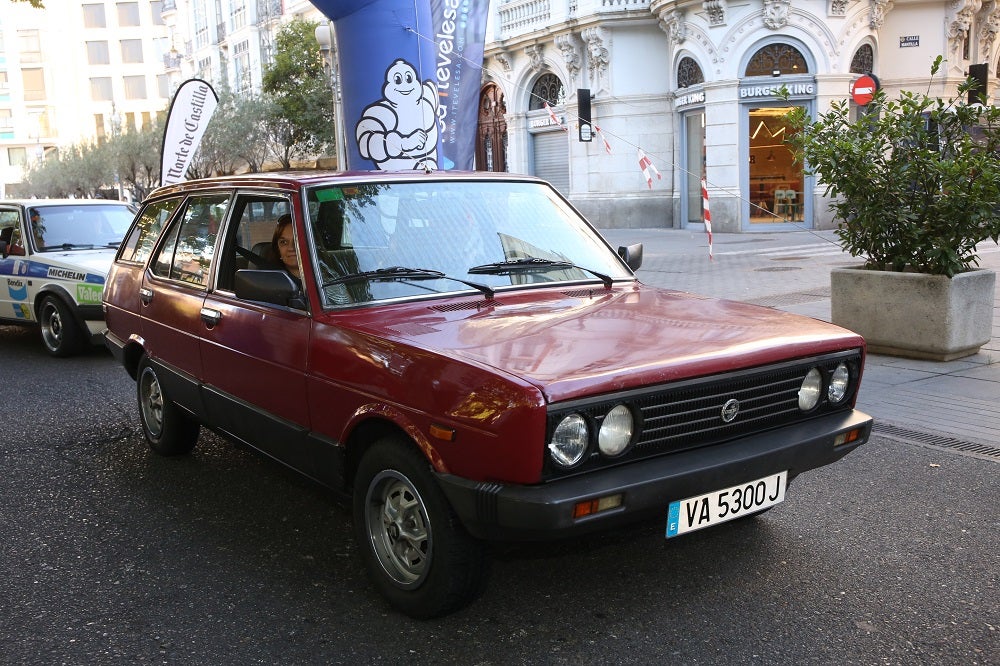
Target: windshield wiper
{"points": [[403, 273], [535, 265], [69, 246]]}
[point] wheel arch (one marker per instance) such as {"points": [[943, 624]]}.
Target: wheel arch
{"points": [[60, 292], [132, 356], [370, 428]]}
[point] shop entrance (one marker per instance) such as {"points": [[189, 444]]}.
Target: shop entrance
{"points": [[776, 191]]}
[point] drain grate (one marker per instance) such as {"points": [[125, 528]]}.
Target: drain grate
{"points": [[976, 449], [797, 298]]}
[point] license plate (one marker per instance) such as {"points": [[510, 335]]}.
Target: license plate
{"points": [[695, 513]]}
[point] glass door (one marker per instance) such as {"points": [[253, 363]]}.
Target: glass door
{"points": [[777, 185], [694, 167]]}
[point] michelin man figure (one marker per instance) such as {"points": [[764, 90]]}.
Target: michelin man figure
{"points": [[400, 131]]}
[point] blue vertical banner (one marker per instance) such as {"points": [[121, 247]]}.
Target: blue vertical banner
{"points": [[459, 40], [410, 74]]}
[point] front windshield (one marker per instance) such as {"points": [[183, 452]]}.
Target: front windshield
{"points": [[475, 231], [78, 227]]}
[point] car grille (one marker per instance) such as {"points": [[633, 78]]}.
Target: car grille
{"points": [[689, 414]]}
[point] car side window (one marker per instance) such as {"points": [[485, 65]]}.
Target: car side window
{"points": [[249, 241], [187, 253], [139, 244], [10, 231]]}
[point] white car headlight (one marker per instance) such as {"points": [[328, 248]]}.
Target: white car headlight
{"points": [[569, 441], [840, 380], [616, 431], [811, 390]]}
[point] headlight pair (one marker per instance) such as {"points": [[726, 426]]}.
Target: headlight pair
{"points": [[837, 387], [573, 435]]}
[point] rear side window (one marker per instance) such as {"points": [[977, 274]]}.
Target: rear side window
{"points": [[187, 252], [139, 244]]}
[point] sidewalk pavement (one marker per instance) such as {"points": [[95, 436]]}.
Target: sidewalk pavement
{"points": [[955, 404]]}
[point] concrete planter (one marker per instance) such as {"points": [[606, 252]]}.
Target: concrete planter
{"points": [[914, 314]]}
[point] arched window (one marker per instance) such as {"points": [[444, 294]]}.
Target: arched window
{"points": [[776, 60], [548, 88], [689, 73], [863, 60]]}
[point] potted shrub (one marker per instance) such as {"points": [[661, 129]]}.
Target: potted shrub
{"points": [[914, 184]]}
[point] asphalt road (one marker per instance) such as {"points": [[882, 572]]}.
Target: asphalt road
{"points": [[112, 555]]}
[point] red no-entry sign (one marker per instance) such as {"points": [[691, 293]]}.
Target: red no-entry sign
{"points": [[863, 89]]}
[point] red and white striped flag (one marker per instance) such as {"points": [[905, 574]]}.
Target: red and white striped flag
{"points": [[708, 216], [646, 164], [553, 118], [607, 146]]}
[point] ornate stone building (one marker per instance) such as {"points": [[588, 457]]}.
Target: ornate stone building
{"points": [[693, 85]]}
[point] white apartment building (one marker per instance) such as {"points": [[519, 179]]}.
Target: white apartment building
{"points": [[75, 71], [227, 42]]}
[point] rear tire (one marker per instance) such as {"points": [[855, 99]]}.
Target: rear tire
{"points": [[61, 335], [415, 551], [168, 430]]}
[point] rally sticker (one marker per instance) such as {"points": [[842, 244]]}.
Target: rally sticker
{"points": [[88, 294], [66, 274]]}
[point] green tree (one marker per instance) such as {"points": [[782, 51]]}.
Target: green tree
{"points": [[301, 124], [135, 159]]}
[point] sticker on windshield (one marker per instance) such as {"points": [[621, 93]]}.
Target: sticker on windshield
{"points": [[332, 194]]}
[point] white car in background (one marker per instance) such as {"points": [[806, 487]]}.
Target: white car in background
{"points": [[54, 258]]}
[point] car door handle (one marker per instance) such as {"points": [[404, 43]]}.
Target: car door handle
{"points": [[145, 295], [210, 317]]}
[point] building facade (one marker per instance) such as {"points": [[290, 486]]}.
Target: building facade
{"points": [[78, 70], [75, 71], [701, 88]]}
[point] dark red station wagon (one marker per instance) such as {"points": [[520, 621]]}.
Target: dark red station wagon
{"points": [[467, 358]]}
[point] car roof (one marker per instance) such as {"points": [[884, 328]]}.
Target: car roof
{"points": [[293, 180], [31, 203]]}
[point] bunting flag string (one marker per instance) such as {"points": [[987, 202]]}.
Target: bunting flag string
{"points": [[607, 146], [646, 164], [552, 116], [708, 216]]}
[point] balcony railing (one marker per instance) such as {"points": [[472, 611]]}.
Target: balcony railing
{"points": [[520, 16]]}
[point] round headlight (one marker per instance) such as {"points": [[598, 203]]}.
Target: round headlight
{"points": [[839, 381], [616, 431], [810, 391], [569, 441]]}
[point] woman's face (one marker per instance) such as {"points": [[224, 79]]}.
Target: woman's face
{"points": [[286, 247]]}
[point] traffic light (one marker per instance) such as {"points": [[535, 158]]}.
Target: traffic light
{"points": [[980, 74], [583, 114]]}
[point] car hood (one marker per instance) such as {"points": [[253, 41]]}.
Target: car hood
{"points": [[575, 343], [97, 261]]}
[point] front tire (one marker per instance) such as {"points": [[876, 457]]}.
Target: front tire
{"points": [[415, 551], [168, 430], [60, 333]]}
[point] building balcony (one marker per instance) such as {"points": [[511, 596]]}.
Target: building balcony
{"points": [[172, 61]]}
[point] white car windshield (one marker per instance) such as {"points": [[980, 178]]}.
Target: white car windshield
{"points": [[386, 240], [77, 227]]}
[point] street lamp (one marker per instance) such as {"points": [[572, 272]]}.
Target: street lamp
{"points": [[328, 49]]}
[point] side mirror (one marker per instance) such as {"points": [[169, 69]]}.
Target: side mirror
{"points": [[275, 287], [631, 255], [3, 249]]}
